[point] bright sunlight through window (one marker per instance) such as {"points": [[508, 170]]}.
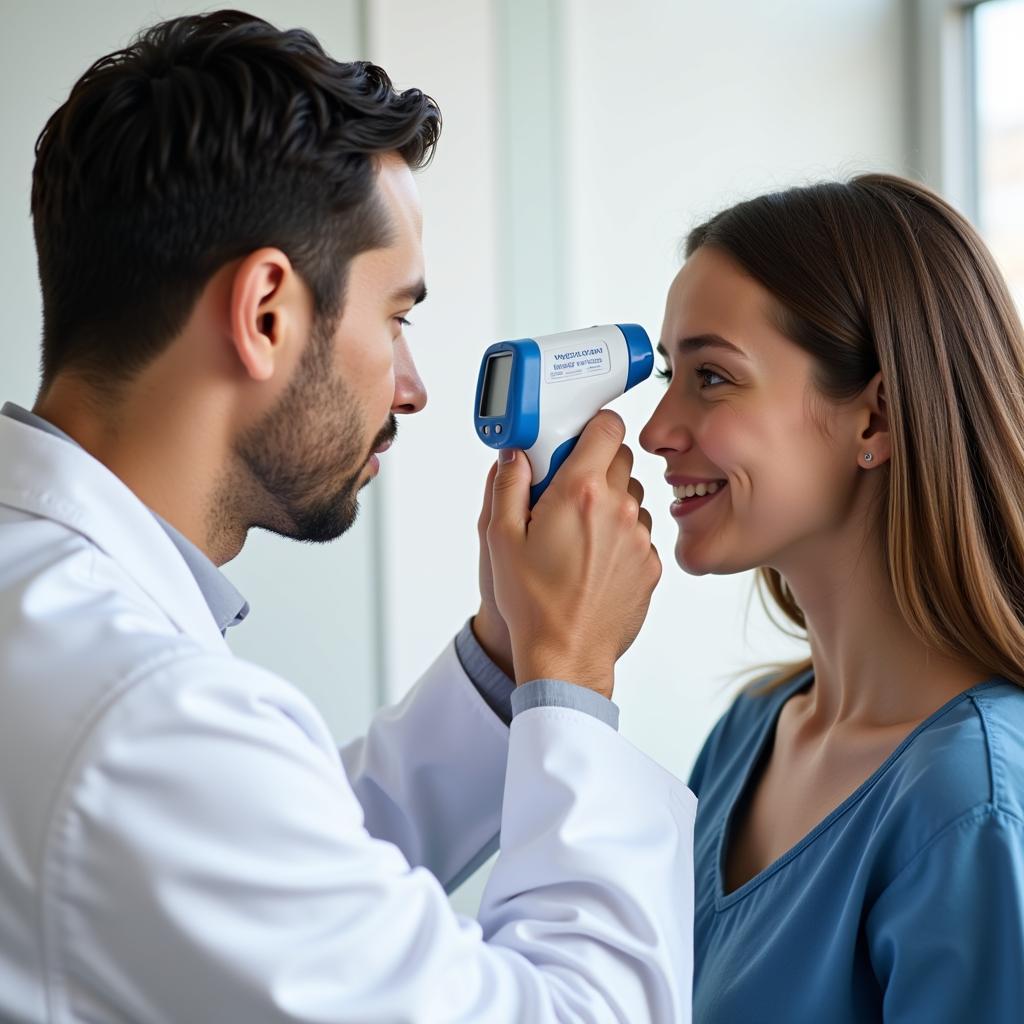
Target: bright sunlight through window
{"points": [[999, 85]]}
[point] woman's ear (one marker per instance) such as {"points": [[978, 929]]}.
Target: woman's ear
{"points": [[259, 315], [875, 442]]}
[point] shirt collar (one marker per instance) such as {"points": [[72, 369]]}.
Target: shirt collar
{"points": [[226, 604]]}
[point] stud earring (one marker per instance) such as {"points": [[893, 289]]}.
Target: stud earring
{"points": [[869, 457]]}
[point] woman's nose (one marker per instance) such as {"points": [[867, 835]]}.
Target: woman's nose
{"points": [[665, 433]]}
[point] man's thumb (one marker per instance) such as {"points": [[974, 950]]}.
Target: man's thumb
{"points": [[511, 496]]}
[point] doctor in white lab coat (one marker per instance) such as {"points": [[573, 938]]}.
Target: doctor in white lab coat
{"points": [[180, 840]]}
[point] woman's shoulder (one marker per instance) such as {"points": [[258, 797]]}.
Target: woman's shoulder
{"points": [[969, 754], [963, 765]]}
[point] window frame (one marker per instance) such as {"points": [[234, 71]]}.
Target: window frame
{"points": [[944, 127]]}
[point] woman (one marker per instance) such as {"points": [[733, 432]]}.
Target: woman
{"points": [[845, 411]]}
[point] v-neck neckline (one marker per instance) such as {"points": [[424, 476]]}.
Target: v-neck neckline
{"points": [[754, 766]]}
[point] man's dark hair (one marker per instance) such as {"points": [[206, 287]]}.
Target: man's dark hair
{"points": [[208, 137]]}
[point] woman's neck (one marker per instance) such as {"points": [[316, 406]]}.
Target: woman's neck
{"points": [[871, 669]]}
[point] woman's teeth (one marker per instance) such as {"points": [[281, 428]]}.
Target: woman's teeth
{"points": [[696, 490]]}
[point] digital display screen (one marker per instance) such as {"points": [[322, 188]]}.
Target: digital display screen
{"points": [[498, 373]]}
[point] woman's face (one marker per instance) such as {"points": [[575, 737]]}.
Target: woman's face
{"points": [[742, 421]]}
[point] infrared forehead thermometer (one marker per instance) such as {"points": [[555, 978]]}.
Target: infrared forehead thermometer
{"points": [[538, 394]]}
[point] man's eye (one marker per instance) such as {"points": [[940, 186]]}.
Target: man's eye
{"points": [[403, 321]]}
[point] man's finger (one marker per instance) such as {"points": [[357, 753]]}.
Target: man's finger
{"points": [[598, 445], [620, 469], [485, 509], [636, 489], [510, 494]]}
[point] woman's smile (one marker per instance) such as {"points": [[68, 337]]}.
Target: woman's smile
{"points": [[689, 497]]}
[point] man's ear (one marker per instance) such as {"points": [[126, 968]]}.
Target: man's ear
{"points": [[260, 315], [875, 442]]}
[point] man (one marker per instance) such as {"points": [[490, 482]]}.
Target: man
{"points": [[229, 242]]}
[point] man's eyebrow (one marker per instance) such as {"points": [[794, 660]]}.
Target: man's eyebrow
{"points": [[414, 294], [702, 341]]}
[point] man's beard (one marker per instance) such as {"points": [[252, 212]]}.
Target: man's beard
{"points": [[295, 453]]}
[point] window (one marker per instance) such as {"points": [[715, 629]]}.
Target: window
{"points": [[998, 63]]}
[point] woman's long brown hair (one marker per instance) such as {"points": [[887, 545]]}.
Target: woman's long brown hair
{"points": [[879, 273]]}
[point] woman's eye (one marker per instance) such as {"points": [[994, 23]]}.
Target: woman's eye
{"points": [[403, 321], [708, 377]]}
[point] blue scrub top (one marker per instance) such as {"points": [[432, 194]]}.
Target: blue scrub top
{"points": [[905, 904]]}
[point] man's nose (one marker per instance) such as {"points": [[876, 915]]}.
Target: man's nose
{"points": [[410, 394]]}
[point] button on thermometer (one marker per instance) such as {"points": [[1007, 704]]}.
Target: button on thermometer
{"points": [[538, 394]]}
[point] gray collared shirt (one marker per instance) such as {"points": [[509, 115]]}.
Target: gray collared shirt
{"points": [[229, 608]]}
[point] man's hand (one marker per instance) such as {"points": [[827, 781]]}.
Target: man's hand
{"points": [[573, 579], [488, 626]]}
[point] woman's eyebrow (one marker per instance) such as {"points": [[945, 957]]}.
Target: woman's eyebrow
{"points": [[702, 341]]}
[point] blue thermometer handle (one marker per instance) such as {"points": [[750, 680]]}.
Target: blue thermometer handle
{"points": [[538, 394]]}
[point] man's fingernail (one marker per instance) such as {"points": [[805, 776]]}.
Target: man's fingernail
{"points": [[506, 454]]}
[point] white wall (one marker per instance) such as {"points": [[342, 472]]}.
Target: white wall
{"points": [[432, 480]]}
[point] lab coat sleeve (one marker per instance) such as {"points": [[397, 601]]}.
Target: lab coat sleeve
{"points": [[430, 773], [207, 862], [947, 934]]}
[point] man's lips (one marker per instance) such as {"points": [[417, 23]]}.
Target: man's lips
{"points": [[380, 449]]}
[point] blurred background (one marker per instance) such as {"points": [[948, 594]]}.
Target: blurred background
{"points": [[582, 140]]}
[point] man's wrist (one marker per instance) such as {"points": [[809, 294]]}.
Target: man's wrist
{"points": [[491, 634], [506, 700], [577, 671]]}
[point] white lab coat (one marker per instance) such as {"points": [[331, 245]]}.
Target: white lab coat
{"points": [[180, 841]]}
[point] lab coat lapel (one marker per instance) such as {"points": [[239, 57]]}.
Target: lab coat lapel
{"points": [[48, 477]]}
